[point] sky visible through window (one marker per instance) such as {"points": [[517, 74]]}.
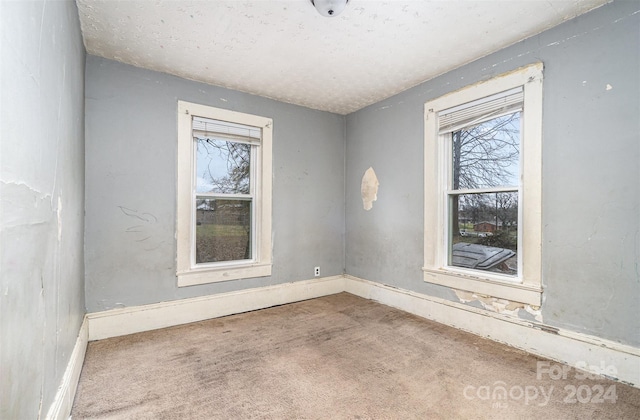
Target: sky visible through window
{"points": [[484, 224]]}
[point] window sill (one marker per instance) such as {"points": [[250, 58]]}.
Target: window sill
{"points": [[226, 273], [515, 292]]}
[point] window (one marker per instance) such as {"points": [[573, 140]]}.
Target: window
{"points": [[224, 195], [483, 187]]}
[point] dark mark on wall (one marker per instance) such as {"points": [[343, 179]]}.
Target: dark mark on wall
{"points": [[142, 229], [546, 328], [145, 217]]}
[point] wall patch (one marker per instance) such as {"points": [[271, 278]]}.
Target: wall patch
{"points": [[369, 189]]}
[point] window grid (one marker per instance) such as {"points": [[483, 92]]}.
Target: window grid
{"points": [[234, 134], [239, 128], [477, 114], [527, 288]]}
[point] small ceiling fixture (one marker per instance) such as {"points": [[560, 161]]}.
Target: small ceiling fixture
{"points": [[329, 8]]}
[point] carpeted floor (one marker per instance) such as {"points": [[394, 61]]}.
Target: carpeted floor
{"points": [[336, 357]]}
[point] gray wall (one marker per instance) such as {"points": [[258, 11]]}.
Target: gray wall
{"points": [[591, 178], [131, 181], [42, 193]]}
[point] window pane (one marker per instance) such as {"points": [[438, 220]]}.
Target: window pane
{"points": [[484, 231], [222, 166], [487, 154], [223, 230]]}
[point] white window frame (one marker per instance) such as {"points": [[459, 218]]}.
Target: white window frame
{"points": [[188, 272], [526, 287]]}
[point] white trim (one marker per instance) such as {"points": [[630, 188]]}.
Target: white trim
{"points": [[561, 345], [554, 343], [117, 322], [558, 344], [223, 273], [528, 289], [516, 292], [260, 266], [63, 402], [461, 191]]}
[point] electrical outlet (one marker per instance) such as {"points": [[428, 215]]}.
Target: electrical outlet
{"points": [[316, 271]]}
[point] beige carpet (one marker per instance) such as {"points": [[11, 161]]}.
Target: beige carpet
{"points": [[336, 357]]}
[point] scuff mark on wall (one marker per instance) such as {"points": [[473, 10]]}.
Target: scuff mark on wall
{"points": [[142, 233], [389, 106], [369, 188], [145, 217], [501, 306], [562, 41]]}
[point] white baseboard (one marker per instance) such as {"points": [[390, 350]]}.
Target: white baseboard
{"points": [[117, 322], [564, 346], [568, 347], [63, 402]]}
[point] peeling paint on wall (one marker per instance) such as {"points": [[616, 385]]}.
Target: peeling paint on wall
{"points": [[369, 189], [501, 306], [42, 259], [59, 214]]}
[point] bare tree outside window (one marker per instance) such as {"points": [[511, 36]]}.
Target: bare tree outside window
{"points": [[224, 166], [488, 154], [224, 195], [485, 156], [224, 202]]}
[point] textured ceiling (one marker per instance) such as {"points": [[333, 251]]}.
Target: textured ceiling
{"points": [[285, 50]]}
